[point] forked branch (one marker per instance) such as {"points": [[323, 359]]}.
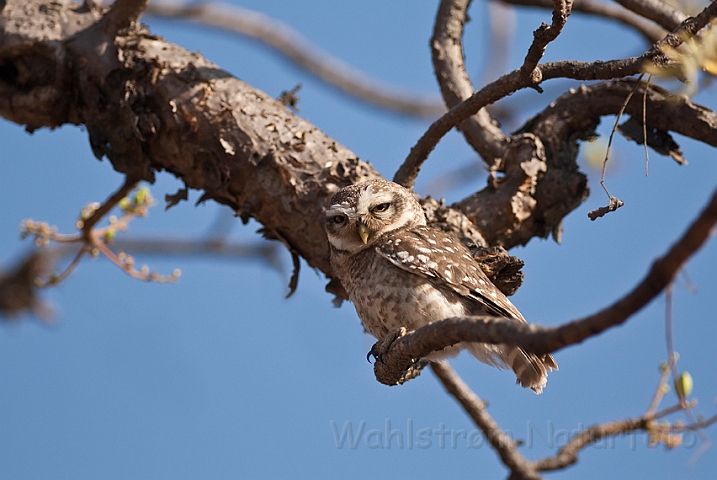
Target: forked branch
{"points": [[520, 468], [516, 80]]}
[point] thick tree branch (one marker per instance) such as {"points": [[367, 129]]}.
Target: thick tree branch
{"points": [[406, 350], [480, 129], [297, 49], [159, 107]]}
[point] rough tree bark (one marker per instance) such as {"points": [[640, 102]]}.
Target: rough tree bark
{"points": [[149, 105]]}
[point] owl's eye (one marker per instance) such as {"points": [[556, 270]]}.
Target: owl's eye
{"points": [[339, 219], [381, 208]]}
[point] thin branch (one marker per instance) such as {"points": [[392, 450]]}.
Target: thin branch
{"points": [[294, 47], [613, 202], [665, 433], [453, 14], [541, 38], [58, 278], [644, 124], [476, 409], [660, 12], [480, 130], [122, 14], [568, 454], [538, 339], [514, 81], [661, 391], [651, 32], [88, 224]]}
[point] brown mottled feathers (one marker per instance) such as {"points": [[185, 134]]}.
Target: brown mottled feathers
{"points": [[400, 272]]}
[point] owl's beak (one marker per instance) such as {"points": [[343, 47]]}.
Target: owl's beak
{"points": [[363, 231]]}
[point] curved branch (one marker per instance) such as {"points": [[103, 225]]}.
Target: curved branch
{"points": [[480, 130], [298, 50], [662, 13], [568, 454], [651, 32], [538, 339]]}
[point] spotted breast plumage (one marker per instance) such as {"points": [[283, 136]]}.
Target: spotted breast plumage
{"points": [[399, 272]]}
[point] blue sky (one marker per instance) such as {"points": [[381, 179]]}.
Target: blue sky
{"points": [[219, 376]]}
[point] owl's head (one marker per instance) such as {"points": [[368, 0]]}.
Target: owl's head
{"points": [[359, 214]]}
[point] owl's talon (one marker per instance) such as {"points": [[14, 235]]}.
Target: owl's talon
{"points": [[384, 345]]}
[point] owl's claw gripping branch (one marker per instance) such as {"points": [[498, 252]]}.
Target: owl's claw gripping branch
{"points": [[384, 345], [411, 369]]}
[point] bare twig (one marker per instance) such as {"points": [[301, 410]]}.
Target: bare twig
{"points": [[94, 241], [297, 49], [661, 391], [613, 202], [541, 38], [88, 224], [476, 408], [644, 124], [54, 279], [568, 454], [539, 339], [651, 32], [480, 130]]}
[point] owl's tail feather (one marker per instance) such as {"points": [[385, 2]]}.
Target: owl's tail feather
{"points": [[530, 370]]}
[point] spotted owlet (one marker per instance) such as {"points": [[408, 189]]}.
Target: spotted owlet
{"points": [[399, 272]]}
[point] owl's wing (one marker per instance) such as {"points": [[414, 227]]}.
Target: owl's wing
{"points": [[445, 262], [435, 255]]}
